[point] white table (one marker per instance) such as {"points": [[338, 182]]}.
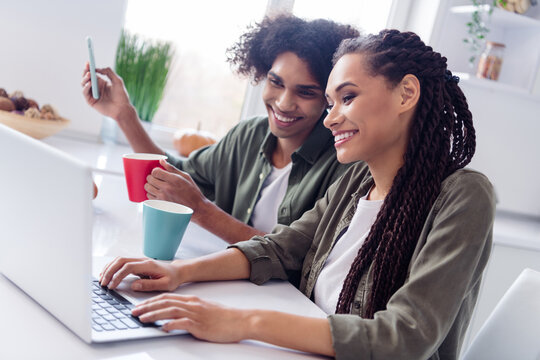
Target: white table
{"points": [[29, 332]]}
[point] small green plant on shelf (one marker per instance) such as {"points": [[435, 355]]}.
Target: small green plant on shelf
{"points": [[144, 66], [477, 28]]}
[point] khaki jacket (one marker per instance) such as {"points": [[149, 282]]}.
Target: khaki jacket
{"points": [[428, 316]]}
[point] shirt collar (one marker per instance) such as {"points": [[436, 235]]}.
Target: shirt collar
{"points": [[316, 143], [363, 189]]}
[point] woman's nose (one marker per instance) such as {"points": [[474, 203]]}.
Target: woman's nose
{"points": [[333, 118]]}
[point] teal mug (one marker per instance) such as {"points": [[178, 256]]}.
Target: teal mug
{"points": [[164, 224]]}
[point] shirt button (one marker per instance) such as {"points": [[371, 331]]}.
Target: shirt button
{"points": [[356, 305], [249, 211], [261, 176]]}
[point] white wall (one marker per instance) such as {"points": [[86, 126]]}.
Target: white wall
{"points": [[508, 147], [44, 51]]}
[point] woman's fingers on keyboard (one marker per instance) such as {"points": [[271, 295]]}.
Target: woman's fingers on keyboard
{"points": [[133, 266], [111, 269]]}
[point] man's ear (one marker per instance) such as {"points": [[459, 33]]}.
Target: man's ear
{"points": [[409, 91]]}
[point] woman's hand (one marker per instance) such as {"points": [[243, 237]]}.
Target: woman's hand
{"points": [[213, 322], [155, 276], [113, 99], [203, 319], [176, 186]]}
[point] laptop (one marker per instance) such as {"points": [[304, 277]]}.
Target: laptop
{"points": [[46, 216]]}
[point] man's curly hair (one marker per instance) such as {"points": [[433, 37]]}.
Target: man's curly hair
{"points": [[312, 41]]}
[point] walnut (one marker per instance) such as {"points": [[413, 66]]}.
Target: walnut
{"points": [[16, 94], [48, 112], [32, 113]]}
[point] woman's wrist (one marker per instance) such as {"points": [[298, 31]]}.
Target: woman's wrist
{"points": [[251, 321], [182, 271]]}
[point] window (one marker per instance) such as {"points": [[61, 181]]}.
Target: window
{"points": [[367, 15], [201, 86]]}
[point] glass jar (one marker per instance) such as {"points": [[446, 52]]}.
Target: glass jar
{"points": [[489, 66]]}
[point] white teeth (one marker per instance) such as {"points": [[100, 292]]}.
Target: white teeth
{"points": [[284, 119], [343, 136]]}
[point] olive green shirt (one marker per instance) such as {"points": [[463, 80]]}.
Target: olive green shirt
{"points": [[428, 316], [231, 173]]}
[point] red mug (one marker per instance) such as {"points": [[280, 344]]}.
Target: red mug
{"points": [[136, 168]]}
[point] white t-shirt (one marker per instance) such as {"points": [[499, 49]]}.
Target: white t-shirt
{"points": [[265, 213], [337, 265]]}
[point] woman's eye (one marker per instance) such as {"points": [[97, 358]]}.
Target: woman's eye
{"points": [[329, 107], [347, 98]]}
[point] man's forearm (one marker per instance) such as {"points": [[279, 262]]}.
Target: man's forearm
{"points": [[138, 138], [221, 224]]}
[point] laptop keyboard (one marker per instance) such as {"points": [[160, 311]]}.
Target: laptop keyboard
{"points": [[111, 311]]}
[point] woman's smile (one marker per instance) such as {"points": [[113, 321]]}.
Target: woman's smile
{"points": [[341, 137]]}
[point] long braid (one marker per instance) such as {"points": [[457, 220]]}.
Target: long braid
{"points": [[442, 140]]}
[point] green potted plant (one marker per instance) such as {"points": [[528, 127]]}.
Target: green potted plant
{"points": [[477, 28], [144, 66]]}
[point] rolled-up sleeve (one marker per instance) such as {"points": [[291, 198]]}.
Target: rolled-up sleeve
{"points": [[273, 255], [203, 165], [434, 305]]}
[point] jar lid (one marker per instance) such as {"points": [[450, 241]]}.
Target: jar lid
{"points": [[495, 44]]}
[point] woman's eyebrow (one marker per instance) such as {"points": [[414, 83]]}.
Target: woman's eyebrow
{"points": [[342, 85]]}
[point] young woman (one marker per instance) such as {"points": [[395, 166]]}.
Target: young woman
{"points": [[393, 252], [267, 170]]}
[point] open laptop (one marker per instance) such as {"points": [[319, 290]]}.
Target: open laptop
{"points": [[46, 218]]}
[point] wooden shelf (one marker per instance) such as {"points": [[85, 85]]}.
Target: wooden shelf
{"points": [[492, 85]]}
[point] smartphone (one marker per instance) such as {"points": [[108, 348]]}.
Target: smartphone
{"points": [[93, 77]]}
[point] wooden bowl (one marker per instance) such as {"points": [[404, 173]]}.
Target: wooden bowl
{"points": [[36, 128]]}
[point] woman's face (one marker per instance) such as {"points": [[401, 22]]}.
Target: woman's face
{"points": [[293, 98], [364, 114]]}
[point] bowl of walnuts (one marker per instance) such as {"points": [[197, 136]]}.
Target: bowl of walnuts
{"points": [[25, 115]]}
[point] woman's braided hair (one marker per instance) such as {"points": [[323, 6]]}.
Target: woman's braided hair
{"points": [[442, 140]]}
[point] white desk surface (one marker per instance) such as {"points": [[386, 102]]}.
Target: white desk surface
{"points": [[29, 332]]}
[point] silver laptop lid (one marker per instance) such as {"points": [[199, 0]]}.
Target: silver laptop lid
{"points": [[46, 227]]}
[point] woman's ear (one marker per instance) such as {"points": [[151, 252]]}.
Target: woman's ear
{"points": [[409, 91]]}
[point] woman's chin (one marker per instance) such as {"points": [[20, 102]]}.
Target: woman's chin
{"points": [[344, 159]]}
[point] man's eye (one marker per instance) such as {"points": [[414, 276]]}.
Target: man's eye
{"points": [[307, 93]]}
